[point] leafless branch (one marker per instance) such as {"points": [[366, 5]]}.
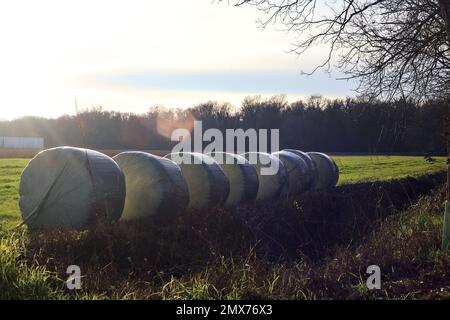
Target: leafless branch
{"points": [[395, 48]]}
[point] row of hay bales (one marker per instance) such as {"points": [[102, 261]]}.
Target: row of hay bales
{"points": [[71, 187]]}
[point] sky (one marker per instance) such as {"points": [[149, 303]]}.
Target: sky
{"points": [[131, 55]]}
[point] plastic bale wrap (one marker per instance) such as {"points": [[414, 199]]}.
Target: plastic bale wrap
{"points": [[336, 172], [154, 185], [241, 175], [270, 185], [68, 187], [312, 174], [207, 184], [328, 172], [297, 171]]}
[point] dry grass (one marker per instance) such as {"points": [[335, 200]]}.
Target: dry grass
{"points": [[278, 250]]}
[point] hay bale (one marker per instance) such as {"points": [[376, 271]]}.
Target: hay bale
{"points": [[207, 183], [155, 185], [298, 175], [270, 185], [312, 169], [68, 187], [327, 171], [241, 175]]}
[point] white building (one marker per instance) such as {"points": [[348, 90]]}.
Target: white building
{"points": [[21, 143]]}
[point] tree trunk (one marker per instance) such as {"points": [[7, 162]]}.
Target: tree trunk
{"points": [[445, 7]]}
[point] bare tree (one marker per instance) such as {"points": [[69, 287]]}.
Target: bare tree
{"points": [[395, 48]]}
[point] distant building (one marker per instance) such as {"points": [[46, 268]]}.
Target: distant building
{"points": [[21, 143]]}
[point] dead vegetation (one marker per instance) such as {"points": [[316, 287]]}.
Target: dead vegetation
{"points": [[318, 246]]}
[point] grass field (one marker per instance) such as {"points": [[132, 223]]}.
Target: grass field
{"points": [[10, 170], [352, 169], [372, 168], [407, 246]]}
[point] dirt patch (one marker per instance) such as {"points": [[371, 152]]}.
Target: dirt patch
{"points": [[6, 153]]}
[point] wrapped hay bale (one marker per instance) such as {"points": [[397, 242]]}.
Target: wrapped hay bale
{"points": [[155, 185], [328, 172], [271, 174], [68, 187], [311, 175], [298, 177], [241, 175], [336, 172], [206, 182]]}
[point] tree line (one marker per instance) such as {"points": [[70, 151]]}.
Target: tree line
{"points": [[353, 125]]}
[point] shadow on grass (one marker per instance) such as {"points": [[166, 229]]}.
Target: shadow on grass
{"points": [[213, 243]]}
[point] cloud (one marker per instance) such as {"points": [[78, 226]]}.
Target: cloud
{"points": [[129, 54], [249, 82]]}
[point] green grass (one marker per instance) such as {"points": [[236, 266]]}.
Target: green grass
{"points": [[136, 262], [10, 170], [21, 278], [374, 168]]}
